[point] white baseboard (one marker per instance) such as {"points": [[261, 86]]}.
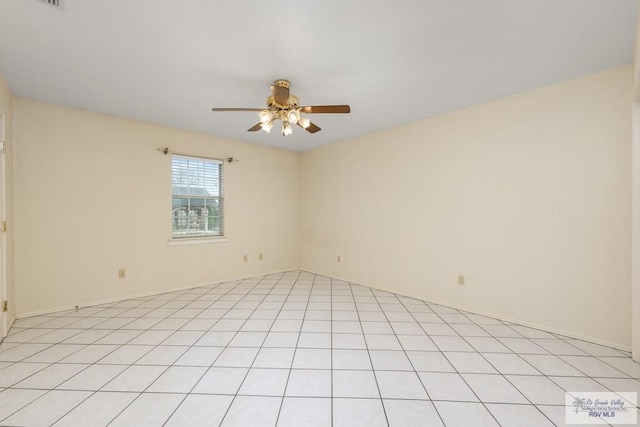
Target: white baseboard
{"points": [[595, 340], [140, 295], [618, 346]]}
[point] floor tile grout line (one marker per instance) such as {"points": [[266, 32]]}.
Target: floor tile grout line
{"points": [[405, 351], [97, 391], [48, 391], [509, 325], [258, 352], [531, 339], [224, 348], [563, 338], [296, 349], [454, 367], [49, 346], [54, 388], [627, 376], [85, 345], [82, 330], [154, 297], [331, 342], [201, 297], [610, 389], [516, 353], [338, 369], [207, 369], [548, 353], [154, 328], [490, 364], [603, 361], [366, 344], [129, 366], [50, 364], [72, 310], [305, 397], [493, 367], [118, 347]]}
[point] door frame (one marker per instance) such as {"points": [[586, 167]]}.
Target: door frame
{"points": [[3, 217], [635, 232]]}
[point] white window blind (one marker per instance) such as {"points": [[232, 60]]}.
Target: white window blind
{"points": [[198, 203]]}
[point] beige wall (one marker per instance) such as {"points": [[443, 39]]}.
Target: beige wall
{"points": [[93, 195], [6, 109], [528, 196]]}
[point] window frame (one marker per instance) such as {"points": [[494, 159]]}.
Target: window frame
{"points": [[199, 238]]}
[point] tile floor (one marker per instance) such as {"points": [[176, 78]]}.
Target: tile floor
{"points": [[293, 349]]}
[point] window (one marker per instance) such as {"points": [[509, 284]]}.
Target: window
{"points": [[197, 197]]}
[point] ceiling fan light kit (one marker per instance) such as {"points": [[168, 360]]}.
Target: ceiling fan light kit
{"points": [[266, 126], [304, 122], [285, 106], [286, 129]]}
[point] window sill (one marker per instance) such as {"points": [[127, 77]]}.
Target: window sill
{"points": [[196, 241]]}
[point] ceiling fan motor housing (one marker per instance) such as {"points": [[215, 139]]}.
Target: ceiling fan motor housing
{"points": [[282, 83], [283, 105], [292, 102]]}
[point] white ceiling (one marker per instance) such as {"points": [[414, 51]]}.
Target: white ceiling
{"points": [[169, 62]]}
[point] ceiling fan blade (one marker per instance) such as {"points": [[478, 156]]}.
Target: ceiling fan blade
{"points": [[255, 127], [320, 109], [280, 94], [312, 128], [237, 109]]}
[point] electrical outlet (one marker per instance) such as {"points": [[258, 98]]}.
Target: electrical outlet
{"points": [[245, 258], [122, 273], [260, 256], [461, 279], [338, 259]]}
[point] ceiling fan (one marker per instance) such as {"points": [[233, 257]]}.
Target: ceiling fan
{"points": [[285, 106]]}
